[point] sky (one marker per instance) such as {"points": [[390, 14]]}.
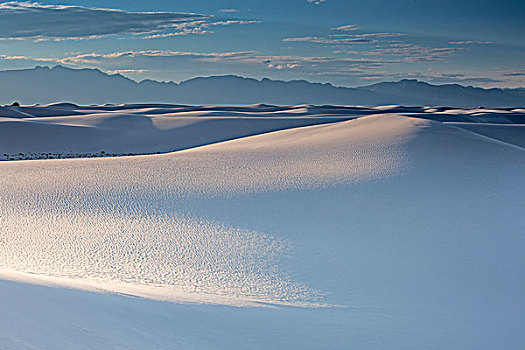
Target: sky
{"points": [[343, 42]]}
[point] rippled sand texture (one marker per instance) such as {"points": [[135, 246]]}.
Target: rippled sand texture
{"points": [[109, 220]]}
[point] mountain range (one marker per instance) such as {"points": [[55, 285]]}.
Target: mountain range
{"points": [[92, 86]]}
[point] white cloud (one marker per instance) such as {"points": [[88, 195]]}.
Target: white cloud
{"points": [[408, 52], [341, 39], [515, 73], [230, 22], [38, 22], [346, 28], [470, 42], [197, 27], [31, 20], [318, 40], [126, 71], [198, 30], [27, 59], [377, 35]]}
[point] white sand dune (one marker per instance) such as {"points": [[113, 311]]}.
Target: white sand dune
{"points": [[68, 131], [509, 133], [65, 130], [113, 215], [391, 230]]}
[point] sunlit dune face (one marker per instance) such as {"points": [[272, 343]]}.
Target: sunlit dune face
{"points": [[114, 219]]}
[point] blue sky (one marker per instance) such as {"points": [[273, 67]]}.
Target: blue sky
{"points": [[343, 42]]}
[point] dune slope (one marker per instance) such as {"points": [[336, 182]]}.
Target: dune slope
{"points": [[381, 231]]}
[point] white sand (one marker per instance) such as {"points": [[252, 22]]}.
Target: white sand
{"points": [[383, 231]]}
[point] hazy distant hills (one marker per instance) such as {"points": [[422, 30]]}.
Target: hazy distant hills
{"points": [[413, 92], [91, 86]]}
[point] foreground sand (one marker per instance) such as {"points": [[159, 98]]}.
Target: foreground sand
{"points": [[397, 228]]}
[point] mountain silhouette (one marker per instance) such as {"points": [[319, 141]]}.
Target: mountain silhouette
{"points": [[92, 86]]}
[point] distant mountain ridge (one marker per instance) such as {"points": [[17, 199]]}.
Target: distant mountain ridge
{"points": [[91, 86]]}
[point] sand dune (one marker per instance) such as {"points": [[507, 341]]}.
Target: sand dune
{"points": [[381, 227], [124, 204], [69, 131], [65, 130]]}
